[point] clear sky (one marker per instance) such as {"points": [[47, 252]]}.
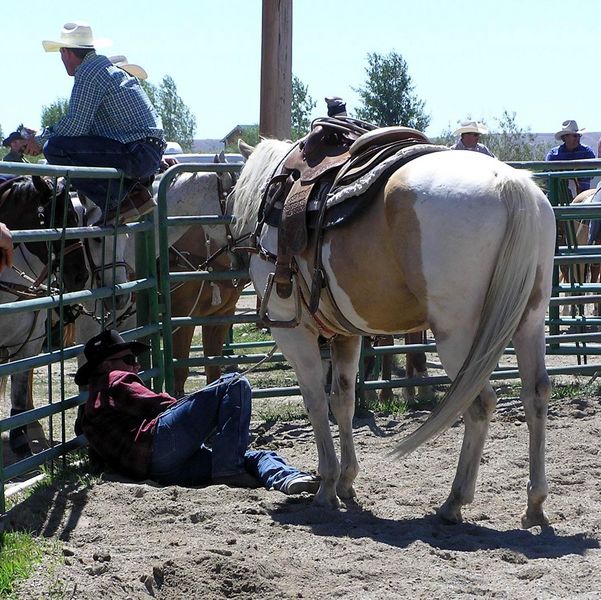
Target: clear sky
{"points": [[466, 58]]}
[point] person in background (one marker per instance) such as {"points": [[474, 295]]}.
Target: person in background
{"points": [[572, 149], [16, 144], [197, 440], [336, 106], [110, 123], [470, 132], [134, 70]]}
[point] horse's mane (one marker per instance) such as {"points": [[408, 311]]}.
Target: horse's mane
{"points": [[17, 188], [256, 173]]}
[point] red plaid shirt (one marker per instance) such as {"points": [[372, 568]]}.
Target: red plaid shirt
{"points": [[119, 420]]}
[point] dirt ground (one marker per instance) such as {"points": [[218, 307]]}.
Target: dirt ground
{"points": [[122, 540]]}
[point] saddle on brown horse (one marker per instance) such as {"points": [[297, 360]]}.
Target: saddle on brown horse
{"points": [[324, 181]]}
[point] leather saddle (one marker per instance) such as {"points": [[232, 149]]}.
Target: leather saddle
{"points": [[337, 153]]}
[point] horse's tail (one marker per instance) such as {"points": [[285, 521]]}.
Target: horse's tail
{"points": [[506, 298]]}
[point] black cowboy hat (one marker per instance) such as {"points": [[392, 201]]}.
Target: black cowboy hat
{"points": [[101, 347], [13, 137]]}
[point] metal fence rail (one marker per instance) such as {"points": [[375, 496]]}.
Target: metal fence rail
{"points": [[61, 398]]}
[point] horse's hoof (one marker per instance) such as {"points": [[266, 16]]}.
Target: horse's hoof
{"points": [[19, 445], [450, 513], [534, 518], [326, 500], [346, 492]]}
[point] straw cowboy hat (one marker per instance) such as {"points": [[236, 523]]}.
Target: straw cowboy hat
{"points": [[134, 70], [77, 34], [569, 126], [101, 347], [470, 127]]}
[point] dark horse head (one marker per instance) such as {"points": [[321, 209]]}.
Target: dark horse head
{"points": [[35, 203]]}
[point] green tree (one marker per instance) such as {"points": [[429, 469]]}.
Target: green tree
{"points": [[445, 138], [387, 96], [507, 141], [302, 105], [179, 123], [54, 112], [512, 143]]}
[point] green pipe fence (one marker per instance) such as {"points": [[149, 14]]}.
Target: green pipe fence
{"points": [[156, 324], [62, 398]]}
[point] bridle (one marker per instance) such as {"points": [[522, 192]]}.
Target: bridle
{"points": [[37, 288], [97, 271]]}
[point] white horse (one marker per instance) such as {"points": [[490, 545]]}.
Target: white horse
{"points": [[454, 241], [184, 197]]}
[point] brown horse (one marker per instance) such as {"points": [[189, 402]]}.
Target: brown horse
{"points": [[200, 299], [583, 271], [415, 365]]}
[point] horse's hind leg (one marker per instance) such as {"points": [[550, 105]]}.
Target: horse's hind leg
{"points": [[476, 419], [529, 343], [345, 357]]}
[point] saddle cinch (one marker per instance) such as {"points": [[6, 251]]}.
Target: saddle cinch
{"points": [[324, 181]]}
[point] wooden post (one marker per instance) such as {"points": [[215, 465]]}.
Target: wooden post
{"points": [[276, 69]]}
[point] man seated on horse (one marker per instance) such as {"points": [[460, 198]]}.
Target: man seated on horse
{"points": [[199, 439], [470, 132], [110, 122], [572, 149]]}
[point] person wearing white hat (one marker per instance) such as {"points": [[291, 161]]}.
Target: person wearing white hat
{"points": [[110, 123], [134, 70], [470, 132], [572, 149]]}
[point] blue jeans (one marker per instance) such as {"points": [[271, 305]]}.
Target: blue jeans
{"points": [[136, 159], [205, 435]]}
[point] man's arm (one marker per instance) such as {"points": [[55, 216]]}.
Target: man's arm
{"points": [[132, 397]]}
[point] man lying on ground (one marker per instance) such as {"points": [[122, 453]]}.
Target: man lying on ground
{"points": [[197, 440]]}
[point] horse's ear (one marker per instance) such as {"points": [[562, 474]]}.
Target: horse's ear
{"points": [[245, 149], [219, 158], [41, 185]]}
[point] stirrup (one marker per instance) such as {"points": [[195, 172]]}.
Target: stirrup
{"points": [[265, 320]]}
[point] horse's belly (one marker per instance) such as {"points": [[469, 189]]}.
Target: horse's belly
{"points": [[371, 290]]}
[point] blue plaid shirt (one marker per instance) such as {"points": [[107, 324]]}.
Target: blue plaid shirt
{"points": [[108, 102]]}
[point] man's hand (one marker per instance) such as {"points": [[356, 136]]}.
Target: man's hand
{"points": [[6, 247], [166, 163]]}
